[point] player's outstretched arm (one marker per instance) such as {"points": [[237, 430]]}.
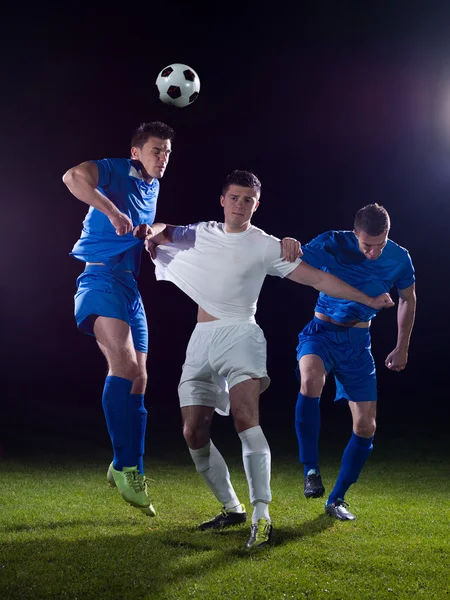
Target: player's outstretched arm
{"points": [[406, 312], [163, 235], [144, 232], [82, 181], [332, 286]]}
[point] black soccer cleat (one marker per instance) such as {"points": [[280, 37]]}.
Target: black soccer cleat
{"points": [[313, 485], [225, 519], [339, 511]]}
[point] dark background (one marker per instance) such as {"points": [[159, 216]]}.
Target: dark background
{"points": [[333, 104]]}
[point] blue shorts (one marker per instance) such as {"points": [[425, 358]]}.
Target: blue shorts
{"points": [[345, 352], [106, 293]]}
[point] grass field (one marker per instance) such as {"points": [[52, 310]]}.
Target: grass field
{"points": [[65, 534]]}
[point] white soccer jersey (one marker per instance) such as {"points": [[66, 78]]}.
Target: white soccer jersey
{"points": [[222, 272]]}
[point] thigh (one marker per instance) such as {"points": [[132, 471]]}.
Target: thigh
{"points": [[138, 326], [239, 354], [199, 385], [355, 374], [315, 340], [244, 402], [363, 411], [115, 341], [99, 294], [364, 416], [312, 375], [197, 417]]}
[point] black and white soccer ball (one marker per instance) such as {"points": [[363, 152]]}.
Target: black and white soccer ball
{"points": [[178, 85]]}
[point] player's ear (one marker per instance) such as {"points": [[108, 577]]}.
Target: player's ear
{"points": [[134, 153], [222, 201], [256, 205]]}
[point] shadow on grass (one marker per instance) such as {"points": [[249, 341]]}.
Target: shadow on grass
{"points": [[148, 564], [307, 529], [60, 525]]}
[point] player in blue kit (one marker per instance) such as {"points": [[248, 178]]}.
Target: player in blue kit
{"points": [[337, 341], [122, 195]]}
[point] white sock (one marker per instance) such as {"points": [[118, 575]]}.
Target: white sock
{"points": [[256, 458], [210, 464], [260, 511]]}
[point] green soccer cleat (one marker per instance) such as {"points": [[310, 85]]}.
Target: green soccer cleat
{"points": [[132, 487], [261, 535]]}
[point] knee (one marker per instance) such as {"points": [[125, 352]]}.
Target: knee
{"points": [[245, 419], [140, 381], [365, 427], [311, 386], [196, 436], [311, 383], [126, 367]]}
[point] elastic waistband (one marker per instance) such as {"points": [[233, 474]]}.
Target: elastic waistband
{"points": [[225, 323], [107, 269], [334, 327]]}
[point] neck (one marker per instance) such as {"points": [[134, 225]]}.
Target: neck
{"points": [[145, 176], [232, 229]]}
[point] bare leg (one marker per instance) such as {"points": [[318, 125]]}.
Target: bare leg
{"points": [[208, 461], [123, 401]]}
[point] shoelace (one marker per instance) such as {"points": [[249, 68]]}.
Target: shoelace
{"points": [[261, 532], [136, 481], [341, 503]]}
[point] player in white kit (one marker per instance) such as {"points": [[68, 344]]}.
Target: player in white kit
{"points": [[222, 267]]}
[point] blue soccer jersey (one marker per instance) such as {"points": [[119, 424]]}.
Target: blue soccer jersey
{"points": [[337, 252], [121, 181]]}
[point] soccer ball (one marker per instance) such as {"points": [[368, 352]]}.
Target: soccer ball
{"points": [[178, 85]]}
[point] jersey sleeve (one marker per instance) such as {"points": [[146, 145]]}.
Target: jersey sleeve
{"points": [[273, 261], [185, 236], [104, 172], [407, 277], [317, 252]]}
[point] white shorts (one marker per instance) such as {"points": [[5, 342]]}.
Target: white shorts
{"points": [[219, 355]]}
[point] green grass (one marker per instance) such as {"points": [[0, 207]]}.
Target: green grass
{"points": [[65, 534]]}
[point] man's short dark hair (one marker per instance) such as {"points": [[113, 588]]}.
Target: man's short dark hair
{"points": [[156, 129], [242, 178], [373, 219]]}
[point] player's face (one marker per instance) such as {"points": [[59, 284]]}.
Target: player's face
{"points": [[371, 246], [239, 204], [154, 156]]}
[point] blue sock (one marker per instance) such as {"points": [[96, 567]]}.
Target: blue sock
{"points": [[354, 458], [307, 427], [118, 413], [139, 420]]}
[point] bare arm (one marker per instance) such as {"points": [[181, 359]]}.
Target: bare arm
{"points": [[160, 234], [406, 312], [332, 286], [82, 182], [153, 232]]}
